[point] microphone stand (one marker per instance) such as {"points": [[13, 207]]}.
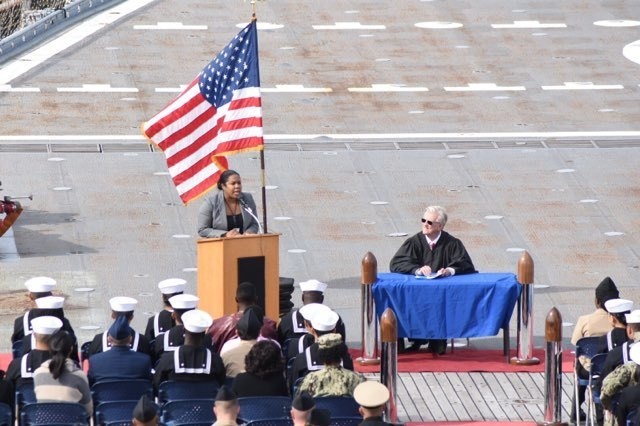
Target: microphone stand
{"points": [[246, 208]]}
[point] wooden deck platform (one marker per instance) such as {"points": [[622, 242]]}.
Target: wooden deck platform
{"points": [[481, 397]]}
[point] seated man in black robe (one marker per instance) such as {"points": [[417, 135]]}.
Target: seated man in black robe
{"points": [[432, 250]]}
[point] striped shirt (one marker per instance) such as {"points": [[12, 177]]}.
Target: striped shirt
{"points": [[71, 386]]}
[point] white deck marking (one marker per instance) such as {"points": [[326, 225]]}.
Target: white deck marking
{"points": [[171, 89], [347, 136], [83, 30], [8, 88], [349, 26], [170, 26], [295, 88], [483, 87], [262, 25], [438, 25], [632, 51], [617, 23], [584, 85], [98, 88], [529, 24], [388, 88]]}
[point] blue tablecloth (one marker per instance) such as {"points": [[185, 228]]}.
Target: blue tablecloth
{"points": [[472, 305]]}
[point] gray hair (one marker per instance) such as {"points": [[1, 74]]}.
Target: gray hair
{"points": [[440, 211]]}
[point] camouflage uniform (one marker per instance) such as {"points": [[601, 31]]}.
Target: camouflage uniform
{"points": [[623, 376], [331, 381]]}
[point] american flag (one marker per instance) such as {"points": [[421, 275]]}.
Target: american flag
{"points": [[218, 114]]}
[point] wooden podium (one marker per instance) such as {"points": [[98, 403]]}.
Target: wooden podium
{"points": [[223, 263]]}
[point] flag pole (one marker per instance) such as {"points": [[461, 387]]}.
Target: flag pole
{"points": [[262, 167]]}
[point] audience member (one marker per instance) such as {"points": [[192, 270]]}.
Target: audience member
{"points": [[224, 328], [372, 397], [332, 380], [297, 345], [173, 338], [248, 328], [623, 376], [36, 287], [301, 407], [59, 379], [49, 306], [226, 407], [193, 361], [621, 354], [21, 370], [594, 324], [617, 310], [628, 402], [163, 320], [120, 362], [292, 325], [431, 251], [145, 413], [319, 417], [121, 306], [322, 322], [264, 372]]}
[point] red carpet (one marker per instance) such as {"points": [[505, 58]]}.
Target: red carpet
{"points": [[464, 360], [5, 359]]}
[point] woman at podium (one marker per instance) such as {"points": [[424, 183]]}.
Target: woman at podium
{"points": [[228, 212]]}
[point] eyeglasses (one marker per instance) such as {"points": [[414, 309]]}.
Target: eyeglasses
{"points": [[428, 222]]}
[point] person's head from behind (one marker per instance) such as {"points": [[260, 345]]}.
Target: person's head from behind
{"points": [[122, 306], [264, 359], [312, 291], [331, 349], [196, 322], [171, 287], [633, 325], [246, 295], [226, 407], [249, 325], [119, 333], [230, 183], [301, 407], [182, 303], [433, 221], [372, 397], [60, 346], [323, 321], [606, 290], [319, 417], [145, 413], [38, 287], [43, 327], [617, 309]]}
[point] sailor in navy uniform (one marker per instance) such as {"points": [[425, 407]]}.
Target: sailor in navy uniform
{"points": [[323, 321], [21, 369], [120, 306], [617, 309], [192, 361], [48, 306], [297, 345], [292, 324], [163, 320], [37, 287], [170, 340], [620, 355], [372, 396]]}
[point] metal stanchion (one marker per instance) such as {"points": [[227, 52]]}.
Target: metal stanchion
{"points": [[368, 312], [525, 313], [553, 370], [389, 367]]}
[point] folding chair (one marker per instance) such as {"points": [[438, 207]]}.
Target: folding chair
{"points": [[345, 421], [114, 412], [339, 406], [264, 407], [24, 395], [174, 390], [120, 390], [50, 413], [586, 347], [191, 411], [597, 364], [5, 414], [283, 421]]}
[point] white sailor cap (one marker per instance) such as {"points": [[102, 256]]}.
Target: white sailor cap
{"points": [[633, 317], [324, 319], [313, 285], [184, 301], [172, 285], [40, 284], [616, 306], [634, 353], [307, 311], [46, 325], [123, 304], [196, 321], [50, 302]]}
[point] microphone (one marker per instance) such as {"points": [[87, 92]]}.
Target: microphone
{"points": [[246, 208]]}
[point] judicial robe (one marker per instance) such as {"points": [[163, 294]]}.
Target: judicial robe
{"points": [[100, 343], [414, 253], [190, 364], [292, 326], [308, 361], [159, 323]]}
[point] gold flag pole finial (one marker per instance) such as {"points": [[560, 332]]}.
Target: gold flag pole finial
{"points": [[253, 8]]}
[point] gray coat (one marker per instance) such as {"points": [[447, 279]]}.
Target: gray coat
{"points": [[212, 218]]}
